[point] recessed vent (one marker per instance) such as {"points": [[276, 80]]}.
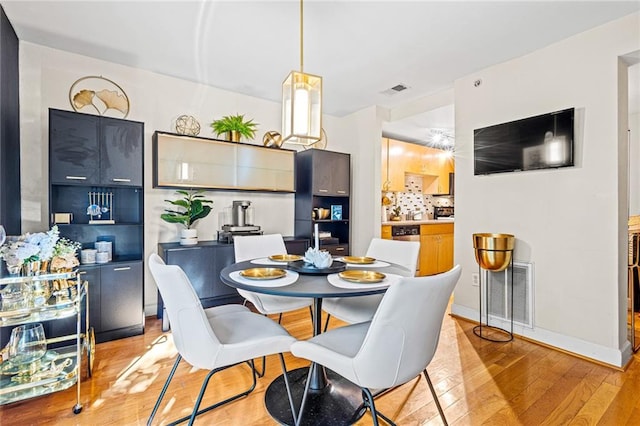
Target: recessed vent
{"points": [[400, 87], [500, 294]]}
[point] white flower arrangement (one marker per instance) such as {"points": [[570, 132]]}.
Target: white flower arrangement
{"points": [[39, 246]]}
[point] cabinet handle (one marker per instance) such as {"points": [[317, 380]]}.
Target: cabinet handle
{"points": [[339, 248], [323, 190], [121, 180], [342, 192], [124, 268], [82, 272], [76, 177]]}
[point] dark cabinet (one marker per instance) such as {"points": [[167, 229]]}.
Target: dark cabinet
{"points": [[73, 148], [203, 262], [121, 298], [120, 152], [93, 150], [99, 160], [10, 210], [331, 173], [323, 181]]}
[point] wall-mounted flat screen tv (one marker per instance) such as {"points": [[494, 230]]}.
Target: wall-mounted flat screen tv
{"points": [[541, 142]]}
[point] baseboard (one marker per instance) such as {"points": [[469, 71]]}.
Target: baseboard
{"points": [[616, 358]]}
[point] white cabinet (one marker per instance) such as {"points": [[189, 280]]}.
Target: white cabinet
{"points": [[192, 162]]}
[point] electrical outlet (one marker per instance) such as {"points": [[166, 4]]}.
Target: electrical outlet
{"points": [[475, 279]]}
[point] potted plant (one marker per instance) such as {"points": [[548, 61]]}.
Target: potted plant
{"points": [[395, 213], [193, 207], [234, 126]]}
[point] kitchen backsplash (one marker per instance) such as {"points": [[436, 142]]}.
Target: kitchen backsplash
{"points": [[413, 200]]}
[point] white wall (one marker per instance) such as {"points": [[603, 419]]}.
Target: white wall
{"points": [[364, 129], [566, 221], [45, 78]]}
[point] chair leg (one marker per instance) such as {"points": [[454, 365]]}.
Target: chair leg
{"points": [[164, 389], [286, 383], [372, 406], [280, 318], [435, 397], [264, 366], [304, 397], [197, 412], [326, 324]]}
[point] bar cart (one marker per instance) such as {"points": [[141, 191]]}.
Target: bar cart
{"points": [[45, 298]]}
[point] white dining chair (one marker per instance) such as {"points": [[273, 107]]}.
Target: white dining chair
{"points": [[216, 339], [394, 347], [251, 247], [359, 309]]}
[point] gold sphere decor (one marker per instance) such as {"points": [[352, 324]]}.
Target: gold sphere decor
{"points": [[187, 125], [272, 139]]}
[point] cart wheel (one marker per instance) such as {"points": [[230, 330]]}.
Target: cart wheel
{"points": [[77, 409], [90, 346]]}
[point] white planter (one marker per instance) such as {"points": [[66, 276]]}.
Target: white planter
{"points": [[188, 237]]}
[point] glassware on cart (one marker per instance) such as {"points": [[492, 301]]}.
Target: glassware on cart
{"points": [[3, 235], [27, 344], [14, 300]]}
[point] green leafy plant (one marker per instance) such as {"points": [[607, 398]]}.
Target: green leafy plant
{"points": [[396, 211], [235, 123], [194, 207]]}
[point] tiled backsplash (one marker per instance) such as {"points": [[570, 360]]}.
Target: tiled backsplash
{"points": [[413, 200]]}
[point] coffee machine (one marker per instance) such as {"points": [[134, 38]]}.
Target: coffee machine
{"points": [[240, 222]]}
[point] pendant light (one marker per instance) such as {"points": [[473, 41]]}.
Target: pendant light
{"points": [[301, 103]]}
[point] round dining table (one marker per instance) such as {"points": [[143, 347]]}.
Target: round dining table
{"points": [[332, 399]]}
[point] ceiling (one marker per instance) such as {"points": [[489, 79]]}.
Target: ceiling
{"points": [[360, 48]]}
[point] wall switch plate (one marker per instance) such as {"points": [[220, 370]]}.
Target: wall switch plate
{"points": [[475, 279]]}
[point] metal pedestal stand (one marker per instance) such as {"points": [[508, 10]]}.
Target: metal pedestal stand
{"points": [[494, 252]]}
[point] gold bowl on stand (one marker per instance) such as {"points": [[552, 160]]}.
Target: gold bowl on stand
{"points": [[493, 251]]}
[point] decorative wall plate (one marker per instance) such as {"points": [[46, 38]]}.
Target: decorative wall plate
{"points": [[99, 94]]}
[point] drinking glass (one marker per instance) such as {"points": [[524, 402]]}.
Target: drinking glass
{"points": [[27, 344]]}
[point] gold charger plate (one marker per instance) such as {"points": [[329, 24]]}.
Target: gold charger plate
{"points": [[263, 273], [285, 257], [363, 277], [362, 260]]}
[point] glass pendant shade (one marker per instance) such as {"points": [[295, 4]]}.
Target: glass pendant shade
{"points": [[301, 108]]}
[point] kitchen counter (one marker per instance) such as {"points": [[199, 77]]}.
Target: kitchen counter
{"points": [[416, 222]]}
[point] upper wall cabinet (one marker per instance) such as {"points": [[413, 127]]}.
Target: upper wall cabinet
{"points": [[193, 162], [93, 150], [331, 173]]}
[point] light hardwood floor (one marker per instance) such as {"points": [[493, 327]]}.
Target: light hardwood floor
{"points": [[479, 382]]}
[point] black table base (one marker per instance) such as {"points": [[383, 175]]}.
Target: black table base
{"points": [[338, 403]]}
